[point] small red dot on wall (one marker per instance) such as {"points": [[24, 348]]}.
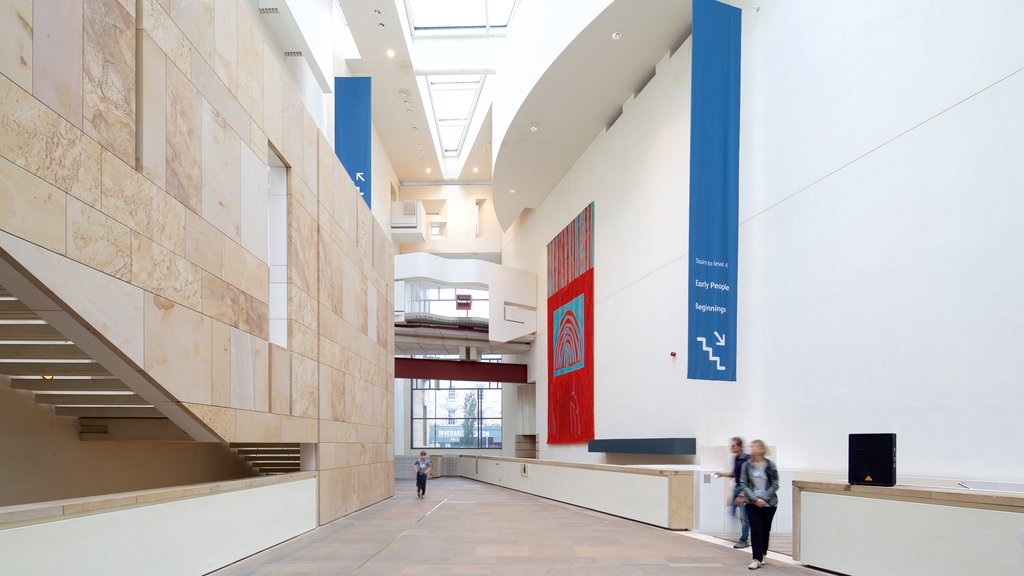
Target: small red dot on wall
{"points": [[672, 354]]}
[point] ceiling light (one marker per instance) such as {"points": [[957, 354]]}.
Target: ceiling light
{"points": [[408, 109], [390, 53], [403, 95], [429, 170], [47, 377], [380, 25], [475, 169], [376, 12], [616, 35], [407, 102], [414, 128], [511, 190], [534, 127]]}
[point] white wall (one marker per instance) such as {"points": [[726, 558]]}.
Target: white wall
{"points": [[183, 537], [459, 216], [862, 535], [880, 242], [620, 491]]}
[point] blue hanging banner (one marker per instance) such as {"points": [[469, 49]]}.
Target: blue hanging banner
{"points": [[714, 191], [352, 130]]}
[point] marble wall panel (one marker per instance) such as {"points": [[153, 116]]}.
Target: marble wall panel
{"points": [[151, 138], [332, 395], [273, 102], [253, 315], [255, 204], [221, 300], [178, 349], [16, 42], [221, 363], [250, 66], [302, 307], [305, 385], [302, 340], [261, 374], [298, 189], [226, 41], [245, 271], [331, 266], [222, 192], [39, 140], [158, 24], [280, 380], [242, 389], [364, 231], [258, 144], [294, 137], [258, 427], [133, 200], [195, 18], [184, 128], [310, 151], [217, 94], [302, 247], [203, 243], [220, 420], [165, 273], [97, 240], [108, 84], [31, 208], [56, 57]]}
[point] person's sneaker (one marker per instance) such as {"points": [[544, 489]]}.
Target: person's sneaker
{"points": [[765, 561], [754, 565], [741, 544]]}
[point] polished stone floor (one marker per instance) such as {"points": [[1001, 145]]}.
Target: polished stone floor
{"points": [[465, 527]]}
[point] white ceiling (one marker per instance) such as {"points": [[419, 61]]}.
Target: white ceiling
{"points": [[411, 151], [574, 100], [580, 94]]}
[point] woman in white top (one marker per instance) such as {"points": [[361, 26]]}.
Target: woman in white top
{"points": [[759, 481]]}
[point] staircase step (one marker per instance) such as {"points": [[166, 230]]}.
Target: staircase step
{"points": [[91, 399], [29, 332], [92, 412], [68, 385], [41, 352], [15, 310], [52, 369]]}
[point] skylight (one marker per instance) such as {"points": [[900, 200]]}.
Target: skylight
{"points": [[459, 17], [453, 98]]}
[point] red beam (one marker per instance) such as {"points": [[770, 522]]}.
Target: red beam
{"points": [[422, 369]]}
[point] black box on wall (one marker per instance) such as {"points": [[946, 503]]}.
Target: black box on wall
{"points": [[872, 459]]}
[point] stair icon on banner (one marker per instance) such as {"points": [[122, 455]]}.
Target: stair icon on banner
{"points": [[711, 353]]}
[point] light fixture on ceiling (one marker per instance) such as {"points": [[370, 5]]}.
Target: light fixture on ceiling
{"points": [[415, 128], [47, 377], [380, 25], [403, 94], [429, 170], [408, 109], [390, 53], [376, 12], [475, 169], [616, 35], [511, 190], [534, 127]]}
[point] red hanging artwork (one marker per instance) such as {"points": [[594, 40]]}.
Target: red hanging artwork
{"points": [[571, 332]]}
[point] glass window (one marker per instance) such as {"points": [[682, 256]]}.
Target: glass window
{"points": [[453, 98], [458, 415], [459, 17]]}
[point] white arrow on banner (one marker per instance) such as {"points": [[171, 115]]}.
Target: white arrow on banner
{"points": [[721, 339], [359, 177]]}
